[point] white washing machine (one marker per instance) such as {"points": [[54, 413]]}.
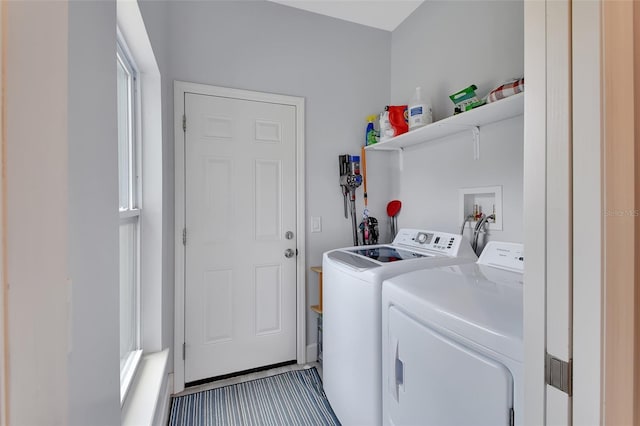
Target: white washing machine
{"points": [[452, 343], [352, 287]]}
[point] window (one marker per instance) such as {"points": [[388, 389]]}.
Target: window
{"points": [[130, 211]]}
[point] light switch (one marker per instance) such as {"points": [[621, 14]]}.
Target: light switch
{"points": [[316, 224]]}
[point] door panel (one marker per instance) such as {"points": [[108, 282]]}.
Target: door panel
{"points": [[268, 184], [268, 290], [218, 299], [218, 199], [240, 289]]}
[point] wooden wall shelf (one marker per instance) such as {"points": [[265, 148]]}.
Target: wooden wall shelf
{"points": [[318, 308]]}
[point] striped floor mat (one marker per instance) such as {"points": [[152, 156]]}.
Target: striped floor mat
{"points": [[291, 398]]}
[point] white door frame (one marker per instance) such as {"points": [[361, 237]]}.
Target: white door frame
{"points": [[180, 90], [588, 207], [535, 205], [547, 206], [588, 211]]}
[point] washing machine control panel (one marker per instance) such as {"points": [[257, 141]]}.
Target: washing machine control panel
{"points": [[429, 240]]}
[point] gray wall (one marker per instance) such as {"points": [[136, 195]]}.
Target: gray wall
{"points": [[444, 47], [341, 69], [94, 370]]}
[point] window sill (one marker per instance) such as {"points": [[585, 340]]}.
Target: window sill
{"points": [[146, 395], [128, 373]]}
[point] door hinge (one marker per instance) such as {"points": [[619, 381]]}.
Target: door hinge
{"points": [[558, 373], [512, 420], [184, 122], [184, 236], [184, 351]]}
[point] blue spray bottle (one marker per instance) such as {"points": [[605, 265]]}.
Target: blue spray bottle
{"points": [[371, 136]]}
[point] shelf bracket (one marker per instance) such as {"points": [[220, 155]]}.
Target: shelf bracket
{"points": [[401, 159], [475, 130]]}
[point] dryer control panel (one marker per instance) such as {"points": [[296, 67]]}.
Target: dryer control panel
{"points": [[441, 242], [509, 256]]}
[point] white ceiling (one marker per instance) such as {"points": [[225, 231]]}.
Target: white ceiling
{"points": [[383, 14]]}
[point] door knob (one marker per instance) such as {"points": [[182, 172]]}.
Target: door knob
{"points": [[288, 253]]}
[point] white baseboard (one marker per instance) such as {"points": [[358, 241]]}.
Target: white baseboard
{"points": [[312, 352]]}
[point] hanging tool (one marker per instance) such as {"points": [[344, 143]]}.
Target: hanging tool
{"points": [[343, 163], [369, 225], [350, 180], [364, 178], [393, 208]]}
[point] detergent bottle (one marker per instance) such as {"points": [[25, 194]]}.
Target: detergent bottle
{"points": [[419, 111], [371, 136], [385, 126]]}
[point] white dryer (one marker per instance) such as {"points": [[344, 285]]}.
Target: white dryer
{"points": [[352, 288], [452, 343]]}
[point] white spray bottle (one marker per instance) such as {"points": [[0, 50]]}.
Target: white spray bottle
{"points": [[420, 113]]}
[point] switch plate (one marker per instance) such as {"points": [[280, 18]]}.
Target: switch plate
{"points": [[316, 224]]}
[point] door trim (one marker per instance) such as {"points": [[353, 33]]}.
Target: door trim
{"points": [[180, 89], [588, 212], [535, 208]]}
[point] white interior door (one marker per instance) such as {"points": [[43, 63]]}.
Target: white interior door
{"points": [[240, 205]]}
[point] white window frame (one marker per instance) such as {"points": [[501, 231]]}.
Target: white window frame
{"points": [[134, 212]]}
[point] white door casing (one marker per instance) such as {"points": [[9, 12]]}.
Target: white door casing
{"points": [[548, 209], [239, 300], [559, 201], [534, 209]]}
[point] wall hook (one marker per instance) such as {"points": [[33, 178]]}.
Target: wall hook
{"points": [[475, 130]]}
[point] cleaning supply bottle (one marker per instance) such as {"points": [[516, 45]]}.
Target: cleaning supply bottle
{"points": [[371, 131], [419, 111], [385, 125]]}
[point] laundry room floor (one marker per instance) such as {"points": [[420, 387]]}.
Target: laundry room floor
{"points": [[290, 395], [248, 377]]}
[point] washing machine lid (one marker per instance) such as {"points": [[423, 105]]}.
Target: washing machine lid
{"points": [[362, 258], [463, 300], [387, 254]]}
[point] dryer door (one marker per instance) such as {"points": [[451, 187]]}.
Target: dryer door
{"points": [[432, 380]]}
